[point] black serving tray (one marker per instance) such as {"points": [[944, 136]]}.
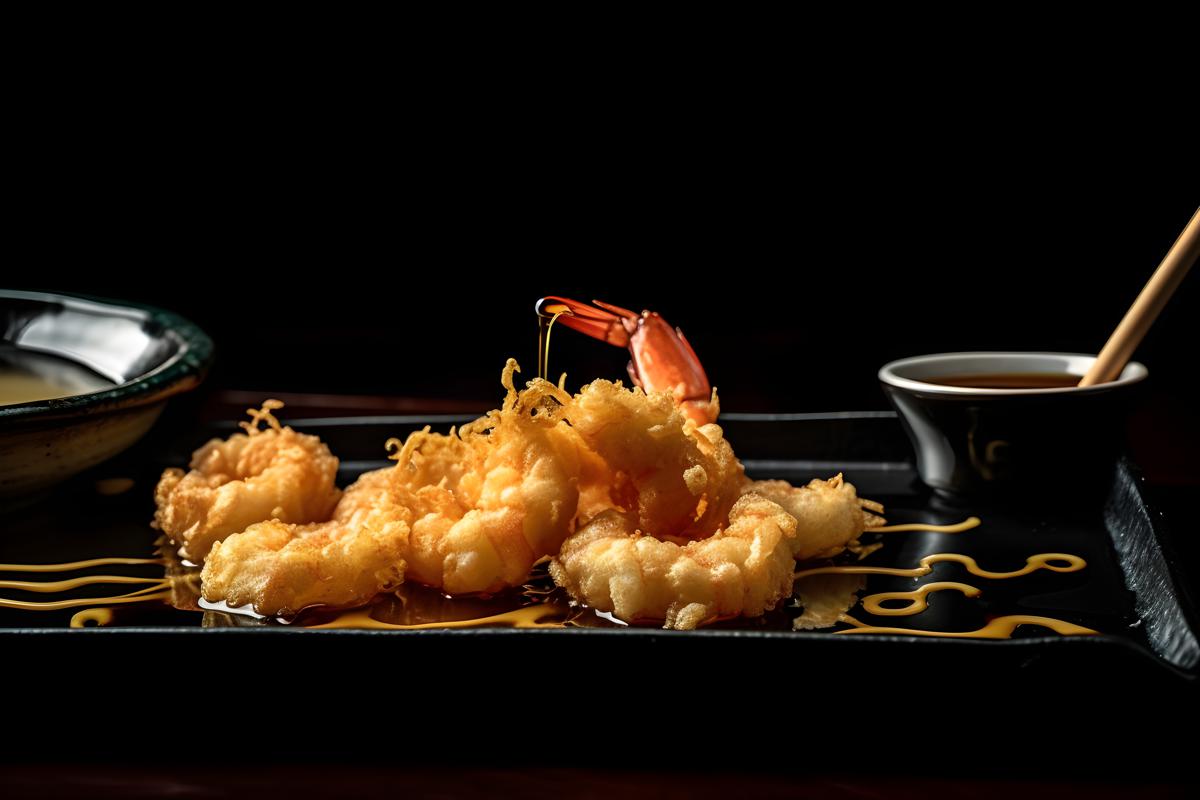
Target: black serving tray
{"points": [[1132, 592]]}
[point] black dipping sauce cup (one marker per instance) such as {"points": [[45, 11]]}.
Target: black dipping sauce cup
{"points": [[973, 443]]}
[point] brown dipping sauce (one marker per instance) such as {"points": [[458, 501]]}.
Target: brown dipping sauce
{"points": [[1009, 380]]}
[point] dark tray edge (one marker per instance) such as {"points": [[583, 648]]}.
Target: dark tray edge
{"points": [[1151, 570], [647, 636]]}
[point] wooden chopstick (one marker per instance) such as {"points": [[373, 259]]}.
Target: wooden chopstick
{"points": [[1145, 309]]}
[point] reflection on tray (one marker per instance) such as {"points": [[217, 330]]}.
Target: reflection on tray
{"points": [[824, 595]]}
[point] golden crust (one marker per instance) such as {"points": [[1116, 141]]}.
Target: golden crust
{"points": [[829, 514], [490, 501], [825, 598], [467, 512], [745, 568], [649, 514], [679, 479], [281, 569], [247, 478], [687, 538]]}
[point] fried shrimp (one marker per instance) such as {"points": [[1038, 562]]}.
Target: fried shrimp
{"points": [[745, 568], [281, 569], [688, 538], [260, 475], [679, 479], [488, 502], [830, 514], [467, 512]]}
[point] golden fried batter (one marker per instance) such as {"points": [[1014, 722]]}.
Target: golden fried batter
{"points": [[252, 477], [649, 515], [830, 515], [281, 569], [679, 545], [489, 502], [681, 480], [746, 568], [467, 512]]}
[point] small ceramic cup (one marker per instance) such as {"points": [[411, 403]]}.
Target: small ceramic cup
{"points": [[972, 442]]}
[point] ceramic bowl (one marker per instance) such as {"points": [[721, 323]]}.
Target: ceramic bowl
{"points": [[973, 442], [118, 363]]}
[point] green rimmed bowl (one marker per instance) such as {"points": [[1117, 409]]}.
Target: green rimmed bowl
{"points": [[118, 362]]}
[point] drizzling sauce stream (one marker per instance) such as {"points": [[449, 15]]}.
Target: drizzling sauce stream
{"points": [[547, 313]]}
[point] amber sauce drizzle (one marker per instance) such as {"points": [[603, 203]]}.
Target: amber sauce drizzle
{"points": [[998, 628], [958, 527], [99, 616], [546, 614], [70, 565], [158, 588], [1032, 564], [916, 602], [546, 317], [534, 616], [916, 598]]}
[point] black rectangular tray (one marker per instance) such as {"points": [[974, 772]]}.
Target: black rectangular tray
{"points": [[1132, 592]]}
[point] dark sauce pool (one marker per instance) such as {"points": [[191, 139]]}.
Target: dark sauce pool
{"points": [[1009, 380]]}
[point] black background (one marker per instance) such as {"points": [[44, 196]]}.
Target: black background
{"points": [[338, 233], [794, 278], [373, 250]]}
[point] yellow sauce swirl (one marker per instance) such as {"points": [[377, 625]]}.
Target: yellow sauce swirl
{"points": [[100, 616], [1066, 563], [69, 565], [958, 527], [916, 599], [998, 628], [525, 617]]}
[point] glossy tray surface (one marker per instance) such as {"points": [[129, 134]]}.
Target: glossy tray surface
{"points": [[1129, 590]]}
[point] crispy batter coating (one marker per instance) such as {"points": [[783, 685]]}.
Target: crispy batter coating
{"points": [[596, 480], [281, 569], [678, 544], [680, 479], [467, 512], [252, 477], [688, 537], [825, 598], [669, 527], [746, 568], [830, 514], [489, 502]]}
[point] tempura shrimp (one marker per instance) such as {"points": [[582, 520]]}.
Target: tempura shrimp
{"points": [[679, 479], [281, 569], [260, 475], [491, 500], [830, 514], [689, 539], [745, 568], [467, 512]]}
